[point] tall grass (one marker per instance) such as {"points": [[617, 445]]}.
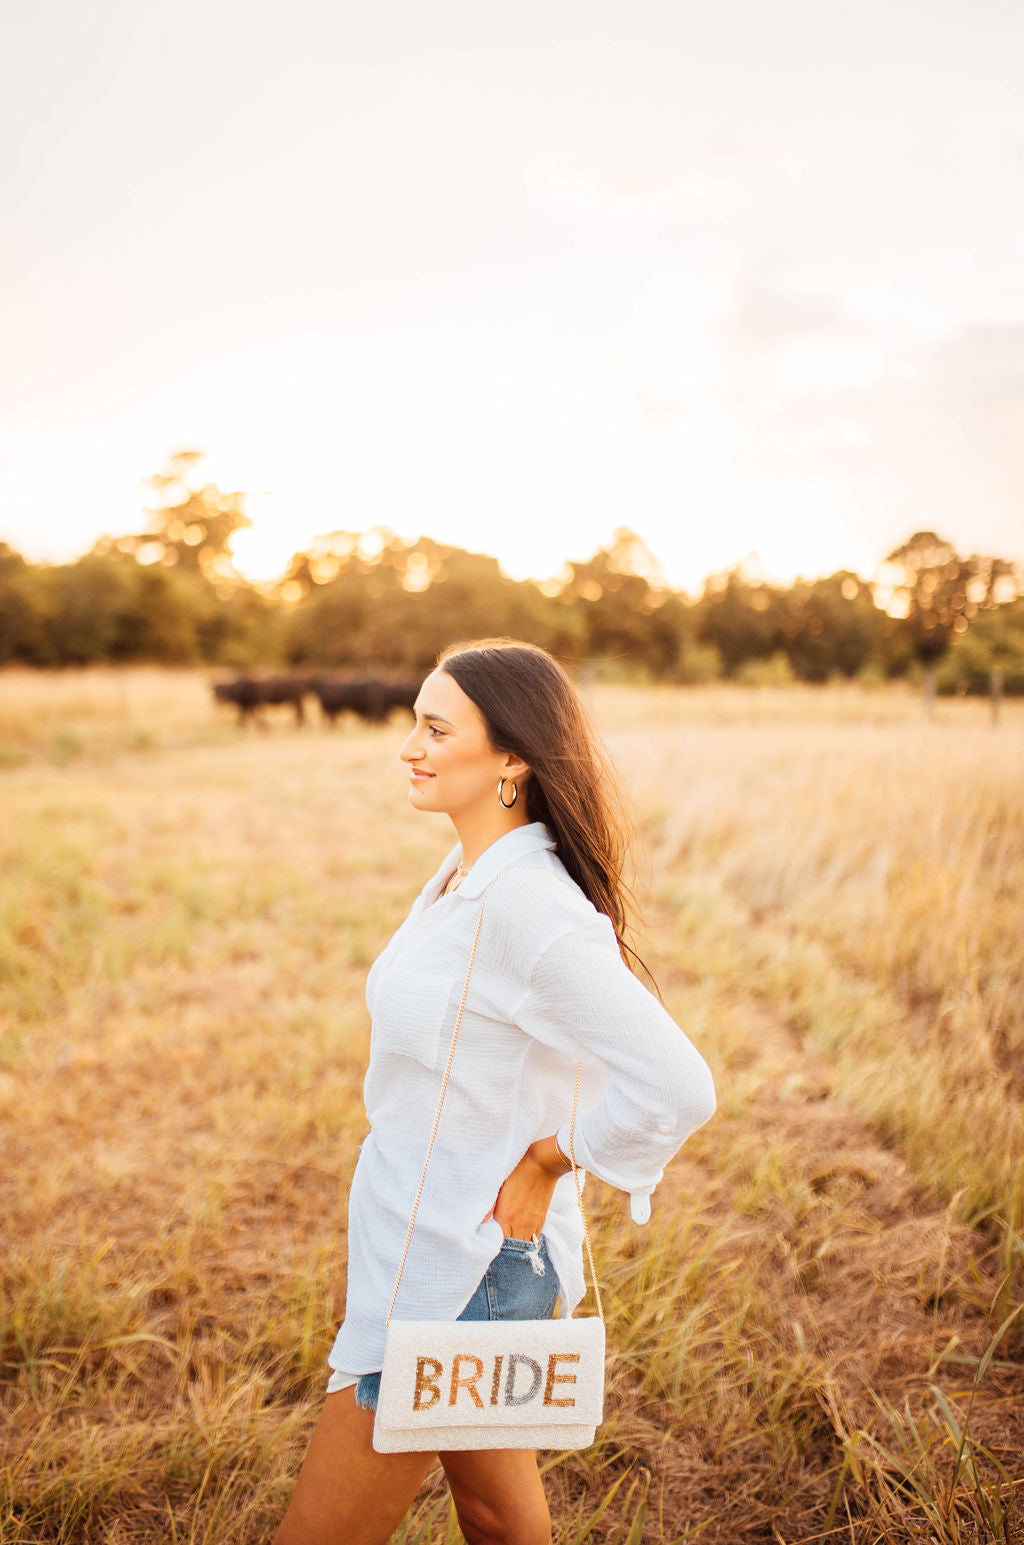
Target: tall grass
{"points": [[65, 716], [820, 1334], [869, 883]]}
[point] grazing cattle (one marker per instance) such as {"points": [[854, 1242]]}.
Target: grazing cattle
{"points": [[369, 697], [285, 689], [242, 693], [362, 697], [250, 694], [402, 694]]}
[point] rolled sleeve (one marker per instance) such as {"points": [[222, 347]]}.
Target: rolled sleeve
{"points": [[584, 1000]]}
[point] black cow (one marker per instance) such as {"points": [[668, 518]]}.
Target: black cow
{"points": [[251, 694], [362, 697], [285, 689], [401, 694], [368, 696]]}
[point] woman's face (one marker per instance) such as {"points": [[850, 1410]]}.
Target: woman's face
{"points": [[452, 765]]}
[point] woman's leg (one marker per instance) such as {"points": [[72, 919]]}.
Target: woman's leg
{"points": [[499, 1496], [346, 1493], [498, 1493]]}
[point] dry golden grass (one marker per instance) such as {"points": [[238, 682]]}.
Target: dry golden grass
{"points": [[820, 1305], [62, 716]]}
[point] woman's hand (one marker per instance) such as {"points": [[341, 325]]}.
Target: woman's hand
{"points": [[522, 1203]]}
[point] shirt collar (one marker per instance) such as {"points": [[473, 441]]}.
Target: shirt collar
{"points": [[509, 849]]}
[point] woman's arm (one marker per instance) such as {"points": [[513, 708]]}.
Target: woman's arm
{"points": [[584, 1001], [570, 989], [523, 1201]]}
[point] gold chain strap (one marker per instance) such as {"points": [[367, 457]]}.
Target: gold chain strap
{"points": [[440, 1103]]}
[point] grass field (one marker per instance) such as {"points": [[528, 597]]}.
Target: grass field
{"points": [[820, 1336]]}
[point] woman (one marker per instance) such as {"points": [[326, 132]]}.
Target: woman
{"points": [[500, 745]]}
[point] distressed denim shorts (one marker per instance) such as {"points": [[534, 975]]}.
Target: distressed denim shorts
{"points": [[519, 1284]]}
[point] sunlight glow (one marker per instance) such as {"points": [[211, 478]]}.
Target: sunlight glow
{"points": [[743, 289]]}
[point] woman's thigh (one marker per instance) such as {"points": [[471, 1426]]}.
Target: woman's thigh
{"points": [[346, 1493], [499, 1495]]}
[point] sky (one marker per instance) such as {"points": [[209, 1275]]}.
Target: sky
{"points": [[747, 277]]}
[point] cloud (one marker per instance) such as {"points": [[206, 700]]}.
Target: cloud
{"points": [[933, 441], [630, 187], [768, 313], [983, 361], [661, 409]]}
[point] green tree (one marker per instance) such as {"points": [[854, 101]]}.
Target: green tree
{"points": [[366, 600], [192, 524], [91, 604], [23, 610], [193, 603], [829, 626], [929, 601], [626, 610], [936, 595], [738, 616], [989, 657]]}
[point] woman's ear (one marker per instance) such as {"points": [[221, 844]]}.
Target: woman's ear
{"points": [[515, 768]]}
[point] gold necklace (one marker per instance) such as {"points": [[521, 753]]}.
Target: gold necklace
{"points": [[456, 879]]}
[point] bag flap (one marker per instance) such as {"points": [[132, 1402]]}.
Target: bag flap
{"points": [[492, 1374]]}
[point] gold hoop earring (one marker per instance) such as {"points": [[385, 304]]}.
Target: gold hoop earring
{"points": [[515, 793]]}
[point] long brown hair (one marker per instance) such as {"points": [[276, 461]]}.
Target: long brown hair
{"points": [[532, 709]]}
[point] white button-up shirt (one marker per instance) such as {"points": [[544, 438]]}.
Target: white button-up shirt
{"points": [[548, 989]]}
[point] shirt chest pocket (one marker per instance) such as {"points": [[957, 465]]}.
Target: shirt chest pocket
{"points": [[413, 1013]]}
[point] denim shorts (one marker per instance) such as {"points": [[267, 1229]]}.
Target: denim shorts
{"points": [[519, 1284]]}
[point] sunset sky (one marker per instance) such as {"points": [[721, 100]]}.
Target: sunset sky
{"points": [[747, 276]]}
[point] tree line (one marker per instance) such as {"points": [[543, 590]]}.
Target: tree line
{"points": [[356, 600]]}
